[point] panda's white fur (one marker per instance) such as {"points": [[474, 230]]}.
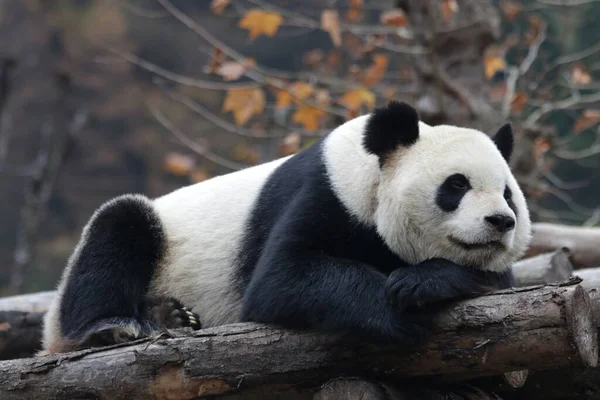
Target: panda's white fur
{"points": [[204, 223]]}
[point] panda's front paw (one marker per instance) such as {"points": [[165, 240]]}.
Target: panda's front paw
{"points": [[435, 280], [400, 289]]}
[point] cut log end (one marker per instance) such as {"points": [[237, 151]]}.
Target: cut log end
{"points": [[516, 379], [580, 320]]}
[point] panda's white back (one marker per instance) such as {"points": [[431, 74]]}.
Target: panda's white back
{"points": [[204, 225]]}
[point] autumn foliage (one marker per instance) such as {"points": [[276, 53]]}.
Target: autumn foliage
{"points": [[367, 56]]}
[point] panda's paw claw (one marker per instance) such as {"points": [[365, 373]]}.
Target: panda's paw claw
{"points": [[171, 314], [187, 318]]}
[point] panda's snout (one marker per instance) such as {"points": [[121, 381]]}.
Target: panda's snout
{"points": [[502, 223]]}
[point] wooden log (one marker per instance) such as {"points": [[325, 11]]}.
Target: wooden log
{"points": [[583, 242], [590, 276], [31, 302], [20, 333], [544, 268], [352, 389], [535, 328]]}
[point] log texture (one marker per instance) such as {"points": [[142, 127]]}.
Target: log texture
{"points": [[583, 242], [535, 328]]}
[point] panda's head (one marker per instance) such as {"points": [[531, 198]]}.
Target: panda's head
{"points": [[446, 191]]}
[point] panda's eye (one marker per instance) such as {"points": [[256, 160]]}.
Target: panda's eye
{"points": [[507, 193], [459, 182]]}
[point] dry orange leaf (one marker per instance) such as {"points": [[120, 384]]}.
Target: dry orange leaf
{"points": [[179, 164], [580, 76], [448, 8], [497, 92], [313, 58], [355, 11], [323, 98], [244, 103], [588, 118], [243, 152], [260, 22], [493, 64], [518, 102], [296, 92], [511, 10], [309, 117], [199, 175], [389, 93], [330, 22], [302, 89], [541, 147], [215, 62], [218, 6], [355, 98], [290, 144], [283, 99], [375, 72], [233, 70], [393, 18]]}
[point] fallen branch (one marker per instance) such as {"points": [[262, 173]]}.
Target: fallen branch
{"points": [[544, 268], [582, 242], [528, 328]]}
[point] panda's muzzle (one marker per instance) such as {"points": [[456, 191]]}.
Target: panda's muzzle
{"points": [[493, 245]]}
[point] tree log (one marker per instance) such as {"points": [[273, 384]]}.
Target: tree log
{"points": [[543, 268], [31, 302], [20, 333], [590, 276], [583, 242], [352, 389], [528, 328]]}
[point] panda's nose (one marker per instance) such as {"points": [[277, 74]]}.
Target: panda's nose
{"points": [[502, 223]]}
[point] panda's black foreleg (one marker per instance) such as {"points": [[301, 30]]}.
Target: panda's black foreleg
{"points": [[437, 279], [329, 294], [346, 297]]}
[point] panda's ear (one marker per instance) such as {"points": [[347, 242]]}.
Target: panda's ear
{"points": [[390, 127], [504, 140]]}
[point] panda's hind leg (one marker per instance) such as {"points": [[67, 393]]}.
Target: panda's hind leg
{"points": [[169, 313], [102, 300]]}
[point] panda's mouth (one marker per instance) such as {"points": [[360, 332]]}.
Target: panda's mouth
{"points": [[491, 245]]}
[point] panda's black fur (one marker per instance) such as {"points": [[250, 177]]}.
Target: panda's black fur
{"points": [[305, 262]]}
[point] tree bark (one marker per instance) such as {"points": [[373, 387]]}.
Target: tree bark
{"points": [[535, 328], [582, 242]]}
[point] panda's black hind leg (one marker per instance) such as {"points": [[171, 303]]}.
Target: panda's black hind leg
{"points": [[109, 274], [169, 313]]}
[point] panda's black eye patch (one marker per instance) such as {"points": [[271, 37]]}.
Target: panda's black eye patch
{"points": [[509, 200], [451, 192], [507, 193]]}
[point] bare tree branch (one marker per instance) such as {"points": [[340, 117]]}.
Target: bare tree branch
{"points": [[6, 68], [515, 73], [192, 145], [55, 137]]}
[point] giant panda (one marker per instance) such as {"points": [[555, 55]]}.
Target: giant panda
{"points": [[361, 234]]}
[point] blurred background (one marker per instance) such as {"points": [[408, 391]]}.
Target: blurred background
{"points": [[100, 98]]}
